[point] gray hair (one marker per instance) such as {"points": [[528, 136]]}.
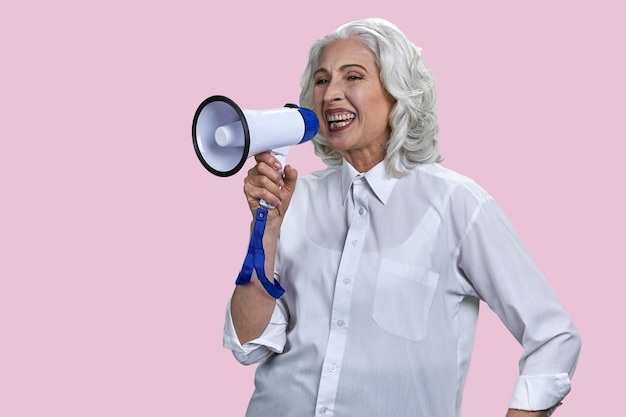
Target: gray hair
{"points": [[413, 118]]}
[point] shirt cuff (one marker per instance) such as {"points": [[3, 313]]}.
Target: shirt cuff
{"points": [[271, 341], [540, 392]]}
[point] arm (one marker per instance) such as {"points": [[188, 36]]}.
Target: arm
{"points": [[251, 306], [503, 274]]}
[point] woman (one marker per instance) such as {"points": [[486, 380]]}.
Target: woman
{"points": [[384, 257]]}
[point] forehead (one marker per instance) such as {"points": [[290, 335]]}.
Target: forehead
{"points": [[344, 52]]}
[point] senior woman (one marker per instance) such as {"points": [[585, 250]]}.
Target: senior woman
{"points": [[384, 257]]}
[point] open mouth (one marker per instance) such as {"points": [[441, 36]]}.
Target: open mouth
{"points": [[339, 120]]}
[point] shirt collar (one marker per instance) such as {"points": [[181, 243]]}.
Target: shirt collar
{"points": [[377, 178]]}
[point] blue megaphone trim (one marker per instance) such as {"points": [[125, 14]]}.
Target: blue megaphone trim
{"points": [[311, 122]]}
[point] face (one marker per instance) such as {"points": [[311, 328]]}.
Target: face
{"points": [[350, 101]]}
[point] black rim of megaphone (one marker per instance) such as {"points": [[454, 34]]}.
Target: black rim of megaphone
{"points": [[246, 136]]}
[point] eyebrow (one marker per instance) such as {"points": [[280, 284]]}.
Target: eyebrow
{"points": [[343, 68]]}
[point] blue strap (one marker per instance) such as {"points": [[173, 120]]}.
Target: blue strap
{"points": [[255, 258]]}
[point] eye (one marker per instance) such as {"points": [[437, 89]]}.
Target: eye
{"points": [[321, 81], [354, 77]]}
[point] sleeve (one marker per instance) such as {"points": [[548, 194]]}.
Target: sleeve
{"points": [[270, 342], [498, 266]]}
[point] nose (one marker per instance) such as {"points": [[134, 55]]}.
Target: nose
{"points": [[333, 92]]}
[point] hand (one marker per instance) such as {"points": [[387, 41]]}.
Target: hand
{"points": [[265, 181]]}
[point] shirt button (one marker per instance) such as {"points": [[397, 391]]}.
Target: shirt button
{"points": [[322, 410], [346, 280], [355, 242], [340, 323], [333, 368], [361, 211]]}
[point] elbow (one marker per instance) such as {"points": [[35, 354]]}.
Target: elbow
{"points": [[575, 340], [567, 350]]}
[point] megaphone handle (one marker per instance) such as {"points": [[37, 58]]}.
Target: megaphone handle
{"points": [[281, 155]]}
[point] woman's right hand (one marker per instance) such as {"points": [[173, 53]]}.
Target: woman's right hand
{"points": [[265, 181]]}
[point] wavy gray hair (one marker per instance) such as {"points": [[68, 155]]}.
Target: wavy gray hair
{"points": [[413, 118]]}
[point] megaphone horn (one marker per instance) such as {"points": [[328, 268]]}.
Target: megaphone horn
{"points": [[224, 136]]}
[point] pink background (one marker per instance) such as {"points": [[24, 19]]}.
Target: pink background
{"points": [[119, 251]]}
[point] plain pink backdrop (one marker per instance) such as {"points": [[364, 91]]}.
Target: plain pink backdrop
{"points": [[119, 251]]}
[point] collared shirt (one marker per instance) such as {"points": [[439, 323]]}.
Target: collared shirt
{"points": [[383, 281]]}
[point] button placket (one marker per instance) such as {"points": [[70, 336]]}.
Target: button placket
{"points": [[335, 348]]}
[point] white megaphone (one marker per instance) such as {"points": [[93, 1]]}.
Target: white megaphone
{"points": [[224, 136]]}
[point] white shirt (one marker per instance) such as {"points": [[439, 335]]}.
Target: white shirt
{"points": [[383, 279]]}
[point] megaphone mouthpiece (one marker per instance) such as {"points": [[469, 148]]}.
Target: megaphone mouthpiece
{"points": [[230, 135]]}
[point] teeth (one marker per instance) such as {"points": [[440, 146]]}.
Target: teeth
{"points": [[339, 117], [339, 124]]}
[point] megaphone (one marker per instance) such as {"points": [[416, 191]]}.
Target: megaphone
{"points": [[225, 136]]}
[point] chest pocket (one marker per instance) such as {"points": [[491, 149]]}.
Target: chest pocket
{"points": [[404, 295]]}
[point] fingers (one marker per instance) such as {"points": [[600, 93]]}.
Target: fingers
{"points": [[291, 175], [268, 159], [264, 181], [270, 166]]}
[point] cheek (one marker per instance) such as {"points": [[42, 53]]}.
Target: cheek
{"points": [[318, 109], [318, 112], [318, 94], [317, 102]]}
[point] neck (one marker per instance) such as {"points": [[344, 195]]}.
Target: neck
{"points": [[363, 163]]}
